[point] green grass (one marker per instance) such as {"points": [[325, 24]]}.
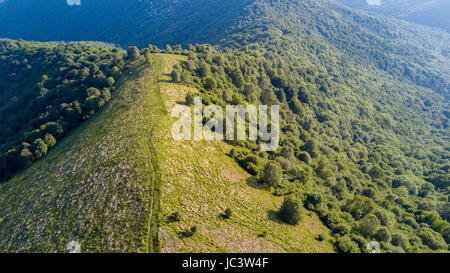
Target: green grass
{"points": [[199, 181], [96, 186]]}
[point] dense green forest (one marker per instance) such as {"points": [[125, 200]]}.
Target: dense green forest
{"points": [[368, 151], [364, 101], [47, 89], [365, 174]]}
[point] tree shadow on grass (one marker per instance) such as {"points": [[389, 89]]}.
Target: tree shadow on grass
{"points": [[252, 182], [273, 216], [166, 81], [185, 234]]}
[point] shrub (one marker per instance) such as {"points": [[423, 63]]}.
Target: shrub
{"points": [[382, 234], [394, 249], [291, 211], [312, 147], [361, 241], [174, 217], [193, 230], [386, 218], [342, 228], [133, 53], [322, 237], [228, 213], [190, 99], [49, 140], [40, 148], [446, 234], [368, 225], [359, 207], [314, 200], [410, 221], [304, 156], [432, 239], [176, 77], [272, 174], [400, 239], [346, 245]]}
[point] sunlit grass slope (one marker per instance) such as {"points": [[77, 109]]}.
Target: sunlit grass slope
{"points": [[94, 187], [199, 181]]}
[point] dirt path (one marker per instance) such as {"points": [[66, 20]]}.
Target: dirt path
{"points": [[153, 164]]}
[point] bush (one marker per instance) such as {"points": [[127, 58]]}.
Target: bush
{"points": [[400, 239], [291, 211], [446, 235], [346, 245], [190, 99], [193, 230], [174, 217], [432, 239], [394, 249], [49, 140], [382, 234], [228, 213], [133, 53], [304, 156], [272, 174], [368, 225], [314, 200], [322, 237], [176, 77], [386, 218], [410, 221]]}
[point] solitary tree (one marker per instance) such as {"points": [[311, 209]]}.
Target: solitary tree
{"points": [[291, 211], [228, 213], [190, 99], [176, 77], [272, 174], [133, 53]]}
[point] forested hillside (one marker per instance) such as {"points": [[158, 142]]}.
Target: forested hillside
{"points": [[433, 13], [364, 101], [365, 118], [349, 155], [122, 22], [45, 91]]}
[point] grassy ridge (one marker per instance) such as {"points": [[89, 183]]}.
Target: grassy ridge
{"points": [[97, 185], [93, 187]]}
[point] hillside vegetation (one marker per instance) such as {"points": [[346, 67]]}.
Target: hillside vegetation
{"points": [[94, 186], [46, 90], [102, 182], [364, 119], [200, 182]]}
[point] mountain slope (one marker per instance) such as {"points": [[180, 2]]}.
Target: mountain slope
{"points": [[200, 181], [122, 22], [324, 26], [432, 13], [93, 187], [364, 119], [48, 89], [96, 186]]}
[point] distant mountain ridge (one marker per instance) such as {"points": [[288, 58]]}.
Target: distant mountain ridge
{"points": [[122, 22], [324, 23], [433, 13]]}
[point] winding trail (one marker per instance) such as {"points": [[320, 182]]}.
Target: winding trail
{"points": [[152, 160]]}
